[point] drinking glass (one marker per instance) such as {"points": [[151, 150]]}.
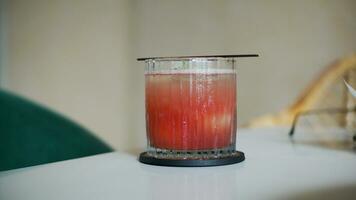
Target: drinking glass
{"points": [[191, 107]]}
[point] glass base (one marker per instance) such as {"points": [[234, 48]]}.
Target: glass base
{"points": [[191, 154], [201, 161]]}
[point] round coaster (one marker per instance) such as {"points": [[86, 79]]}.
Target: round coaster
{"points": [[235, 157]]}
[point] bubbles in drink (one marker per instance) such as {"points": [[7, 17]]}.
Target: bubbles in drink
{"points": [[191, 110]]}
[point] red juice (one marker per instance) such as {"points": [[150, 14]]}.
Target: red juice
{"points": [[191, 111]]}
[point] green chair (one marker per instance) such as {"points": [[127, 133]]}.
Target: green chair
{"points": [[32, 135]]}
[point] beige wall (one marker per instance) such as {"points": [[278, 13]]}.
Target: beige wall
{"points": [[73, 56], [77, 57], [3, 46]]}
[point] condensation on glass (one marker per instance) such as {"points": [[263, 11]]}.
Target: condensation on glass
{"points": [[190, 107]]}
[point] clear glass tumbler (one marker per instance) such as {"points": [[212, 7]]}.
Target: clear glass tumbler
{"points": [[191, 107]]}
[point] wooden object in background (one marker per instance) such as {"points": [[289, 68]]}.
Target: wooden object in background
{"points": [[326, 91]]}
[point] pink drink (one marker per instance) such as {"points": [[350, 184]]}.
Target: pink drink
{"points": [[191, 111]]}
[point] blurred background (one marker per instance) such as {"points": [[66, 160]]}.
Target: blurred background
{"points": [[78, 57]]}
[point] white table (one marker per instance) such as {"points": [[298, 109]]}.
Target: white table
{"points": [[274, 168]]}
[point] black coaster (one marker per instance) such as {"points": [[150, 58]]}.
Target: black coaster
{"points": [[235, 157]]}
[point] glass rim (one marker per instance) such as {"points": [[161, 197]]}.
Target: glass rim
{"points": [[208, 57]]}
